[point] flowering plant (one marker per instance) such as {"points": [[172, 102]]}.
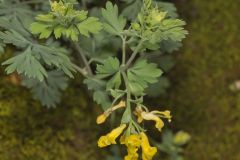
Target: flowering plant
{"points": [[114, 54]]}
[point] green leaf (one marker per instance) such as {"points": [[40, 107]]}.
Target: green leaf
{"points": [[167, 7], [48, 92], [15, 38], [55, 57], [94, 83], [64, 20], [102, 98], [108, 68], [132, 9], [114, 23], [44, 30], [158, 88], [116, 93], [90, 25], [99, 93], [13, 24], [26, 63], [115, 81], [172, 29], [142, 74]]}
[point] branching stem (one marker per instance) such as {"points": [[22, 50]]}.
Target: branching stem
{"points": [[134, 54], [80, 70], [84, 58]]}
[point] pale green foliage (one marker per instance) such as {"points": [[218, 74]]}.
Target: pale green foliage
{"points": [[48, 91], [156, 27], [134, 7], [64, 20]]}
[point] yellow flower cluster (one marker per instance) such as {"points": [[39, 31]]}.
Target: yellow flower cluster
{"points": [[58, 7], [156, 16], [153, 115], [133, 142]]}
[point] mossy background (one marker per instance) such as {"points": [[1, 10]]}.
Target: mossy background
{"points": [[208, 63], [200, 99], [29, 131]]}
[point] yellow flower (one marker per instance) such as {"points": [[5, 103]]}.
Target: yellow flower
{"points": [[111, 137], [154, 116], [102, 118], [150, 116], [147, 151], [138, 112], [133, 143]]}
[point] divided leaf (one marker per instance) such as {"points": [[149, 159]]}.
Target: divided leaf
{"points": [[114, 23], [26, 63], [100, 96], [108, 68], [142, 74], [172, 29], [48, 92], [90, 25], [64, 20], [13, 37], [33, 56]]}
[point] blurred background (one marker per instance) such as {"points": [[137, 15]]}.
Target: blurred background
{"points": [[202, 92]]}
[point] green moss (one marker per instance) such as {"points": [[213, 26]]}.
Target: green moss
{"points": [[30, 131], [201, 101]]}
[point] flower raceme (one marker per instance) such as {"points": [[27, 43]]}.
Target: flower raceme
{"points": [[132, 139], [133, 142]]}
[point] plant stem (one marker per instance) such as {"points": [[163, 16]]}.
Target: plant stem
{"points": [[134, 54], [123, 50], [85, 61], [80, 70], [127, 112]]}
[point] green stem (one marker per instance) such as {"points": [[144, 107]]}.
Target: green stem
{"points": [[80, 70], [85, 61], [134, 54], [127, 114], [123, 50]]}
